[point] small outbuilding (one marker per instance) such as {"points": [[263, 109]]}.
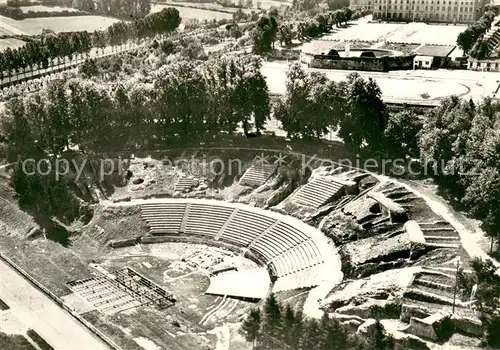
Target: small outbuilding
{"points": [[423, 62]]}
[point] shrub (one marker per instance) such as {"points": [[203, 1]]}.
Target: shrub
{"points": [[89, 68], [17, 14], [390, 310], [445, 329], [492, 324]]}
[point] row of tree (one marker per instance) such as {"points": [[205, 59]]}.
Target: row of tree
{"points": [[313, 105], [278, 327], [185, 101], [120, 8], [269, 29], [471, 39], [460, 144], [322, 23], [50, 46]]}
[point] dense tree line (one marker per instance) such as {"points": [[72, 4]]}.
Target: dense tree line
{"points": [[459, 145], [49, 47], [18, 14], [305, 5], [279, 327], [264, 33], [119, 8], [471, 39], [323, 23], [270, 28], [183, 101], [313, 104], [487, 297]]}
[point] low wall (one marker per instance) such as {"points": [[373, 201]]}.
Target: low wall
{"points": [[396, 211], [413, 230], [408, 311], [120, 243], [423, 329], [378, 64], [467, 325], [61, 303]]}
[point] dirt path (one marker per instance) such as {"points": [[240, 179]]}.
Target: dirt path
{"points": [[468, 238], [36, 311]]}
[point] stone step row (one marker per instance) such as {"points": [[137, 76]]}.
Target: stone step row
{"points": [[257, 175], [298, 258], [306, 278], [317, 192]]}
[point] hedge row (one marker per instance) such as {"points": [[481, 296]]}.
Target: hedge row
{"points": [[17, 14]]}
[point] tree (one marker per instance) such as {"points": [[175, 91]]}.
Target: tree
{"points": [[251, 327], [58, 128], [465, 40], [264, 34], [289, 326], [401, 134], [234, 31], [89, 68], [486, 298], [365, 116], [285, 35], [192, 48], [311, 336], [17, 129], [380, 340], [168, 47], [272, 322], [312, 104], [331, 334], [337, 4]]}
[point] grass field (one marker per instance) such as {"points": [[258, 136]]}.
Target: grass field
{"points": [[411, 33], [34, 26], [12, 43]]}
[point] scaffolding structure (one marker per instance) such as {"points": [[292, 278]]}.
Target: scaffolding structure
{"points": [[144, 288], [121, 290]]}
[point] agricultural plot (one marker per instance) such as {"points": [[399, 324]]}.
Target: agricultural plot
{"points": [[267, 4], [12, 43], [411, 33], [41, 8], [34, 26], [191, 13]]}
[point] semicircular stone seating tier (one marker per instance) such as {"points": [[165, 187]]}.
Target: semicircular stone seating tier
{"points": [[297, 254]]}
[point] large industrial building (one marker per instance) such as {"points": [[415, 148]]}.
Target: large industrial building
{"points": [[449, 11]]}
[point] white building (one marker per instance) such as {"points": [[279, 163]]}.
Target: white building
{"points": [[449, 11], [423, 62]]}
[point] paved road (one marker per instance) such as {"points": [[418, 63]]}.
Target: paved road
{"points": [[38, 312]]}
